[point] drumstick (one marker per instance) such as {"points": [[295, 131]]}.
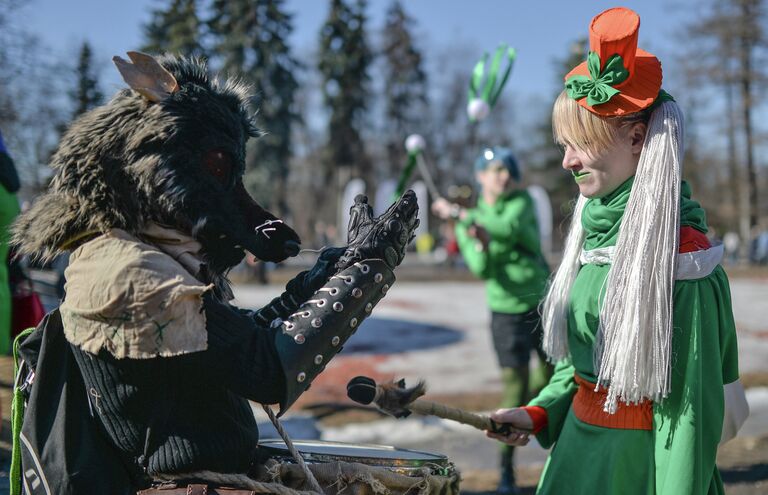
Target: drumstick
{"points": [[398, 401]]}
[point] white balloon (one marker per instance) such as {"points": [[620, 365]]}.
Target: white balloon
{"points": [[414, 143], [478, 109]]}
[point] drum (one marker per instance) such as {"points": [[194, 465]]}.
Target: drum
{"points": [[361, 468]]}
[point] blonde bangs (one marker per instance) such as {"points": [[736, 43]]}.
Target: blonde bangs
{"points": [[575, 125]]}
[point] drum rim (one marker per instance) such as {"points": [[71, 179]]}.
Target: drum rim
{"points": [[438, 460]]}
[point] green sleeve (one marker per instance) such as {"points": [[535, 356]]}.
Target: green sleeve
{"points": [[556, 399], [688, 423], [515, 224], [514, 227], [9, 208], [514, 231], [476, 259]]}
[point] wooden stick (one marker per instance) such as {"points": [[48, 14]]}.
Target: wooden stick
{"points": [[424, 170], [397, 400], [479, 421]]}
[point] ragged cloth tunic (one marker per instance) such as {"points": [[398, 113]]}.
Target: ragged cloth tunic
{"points": [[167, 364], [677, 456]]}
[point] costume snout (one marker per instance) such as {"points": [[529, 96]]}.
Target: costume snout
{"points": [[269, 238]]}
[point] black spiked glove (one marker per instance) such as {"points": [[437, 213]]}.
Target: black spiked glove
{"points": [[300, 288], [318, 275], [385, 237]]}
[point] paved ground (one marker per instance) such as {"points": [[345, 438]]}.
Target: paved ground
{"points": [[452, 351], [438, 331]]}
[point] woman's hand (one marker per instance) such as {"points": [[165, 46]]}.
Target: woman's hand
{"points": [[518, 419]]}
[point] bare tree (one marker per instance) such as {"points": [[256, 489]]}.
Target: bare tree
{"points": [[729, 38], [751, 37], [405, 84], [30, 105]]}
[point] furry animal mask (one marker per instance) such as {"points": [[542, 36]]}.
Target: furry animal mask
{"points": [[171, 150]]}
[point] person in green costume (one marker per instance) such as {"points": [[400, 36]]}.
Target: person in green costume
{"points": [[638, 316], [499, 240], [9, 209]]}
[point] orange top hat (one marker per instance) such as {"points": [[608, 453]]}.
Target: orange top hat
{"points": [[618, 78]]}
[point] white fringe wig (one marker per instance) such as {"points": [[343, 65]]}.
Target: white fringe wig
{"points": [[633, 347]]}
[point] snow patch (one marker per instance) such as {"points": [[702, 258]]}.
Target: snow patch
{"points": [[391, 431]]}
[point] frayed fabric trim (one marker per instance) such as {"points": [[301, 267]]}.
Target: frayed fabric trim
{"points": [[690, 266]]}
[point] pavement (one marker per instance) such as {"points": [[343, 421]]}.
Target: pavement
{"points": [[438, 331]]}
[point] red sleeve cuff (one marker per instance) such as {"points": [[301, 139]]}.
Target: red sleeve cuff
{"points": [[539, 417]]}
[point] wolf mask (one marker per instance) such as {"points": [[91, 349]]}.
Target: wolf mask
{"points": [[170, 151]]}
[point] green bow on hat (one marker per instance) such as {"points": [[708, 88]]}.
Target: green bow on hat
{"points": [[598, 86]]}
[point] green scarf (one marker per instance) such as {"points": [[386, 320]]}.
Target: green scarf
{"points": [[601, 217]]}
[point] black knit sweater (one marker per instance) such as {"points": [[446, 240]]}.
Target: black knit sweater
{"points": [[188, 412]]}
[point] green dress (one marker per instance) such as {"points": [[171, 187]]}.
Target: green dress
{"points": [[678, 455]]}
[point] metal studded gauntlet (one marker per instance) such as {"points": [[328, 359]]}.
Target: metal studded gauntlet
{"points": [[299, 289], [314, 334]]}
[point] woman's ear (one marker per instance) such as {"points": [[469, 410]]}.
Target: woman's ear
{"points": [[637, 136]]}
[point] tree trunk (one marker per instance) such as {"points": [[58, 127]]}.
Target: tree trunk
{"points": [[746, 47], [734, 176]]}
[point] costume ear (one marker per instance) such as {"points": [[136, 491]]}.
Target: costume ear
{"points": [[146, 76]]}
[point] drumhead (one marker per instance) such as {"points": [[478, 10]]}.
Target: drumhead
{"points": [[374, 455]]}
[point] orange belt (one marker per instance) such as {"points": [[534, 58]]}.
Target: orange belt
{"points": [[588, 407]]}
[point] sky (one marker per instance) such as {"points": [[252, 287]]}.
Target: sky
{"points": [[540, 30], [450, 33]]}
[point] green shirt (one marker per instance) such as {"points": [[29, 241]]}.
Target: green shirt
{"points": [[513, 266], [678, 456]]}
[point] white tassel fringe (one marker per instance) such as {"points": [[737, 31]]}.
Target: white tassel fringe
{"points": [[633, 347], [554, 309]]}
